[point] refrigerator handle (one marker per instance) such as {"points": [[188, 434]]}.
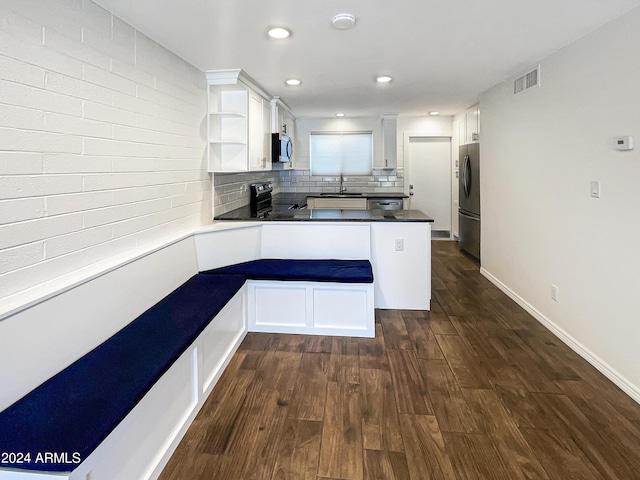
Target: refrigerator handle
{"points": [[468, 177], [465, 176]]}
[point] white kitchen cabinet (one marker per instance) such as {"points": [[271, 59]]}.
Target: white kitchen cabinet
{"points": [[238, 123], [472, 125], [283, 122], [389, 158], [333, 203], [259, 133]]}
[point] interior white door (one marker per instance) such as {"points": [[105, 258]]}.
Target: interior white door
{"points": [[429, 171]]}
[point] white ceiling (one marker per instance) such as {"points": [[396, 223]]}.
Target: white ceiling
{"points": [[441, 53]]}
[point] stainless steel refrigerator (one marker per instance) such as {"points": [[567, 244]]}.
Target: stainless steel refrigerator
{"points": [[469, 199]]}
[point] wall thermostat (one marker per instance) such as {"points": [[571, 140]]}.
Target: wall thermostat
{"points": [[623, 143]]}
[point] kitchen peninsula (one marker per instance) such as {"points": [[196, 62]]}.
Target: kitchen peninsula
{"points": [[398, 243]]}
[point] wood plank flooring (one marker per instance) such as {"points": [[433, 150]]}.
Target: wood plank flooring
{"points": [[473, 389]]}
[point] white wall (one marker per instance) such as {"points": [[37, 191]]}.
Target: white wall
{"points": [[101, 142], [539, 151], [428, 126]]}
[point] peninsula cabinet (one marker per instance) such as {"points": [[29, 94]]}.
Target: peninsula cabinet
{"points": [[389, 158], [238, 123]]}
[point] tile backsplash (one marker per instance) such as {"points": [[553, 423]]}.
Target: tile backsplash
{"points": [[231, 190], [378, 181]]}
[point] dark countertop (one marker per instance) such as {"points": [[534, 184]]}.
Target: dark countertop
{"points": [[280, 214], [364, 195]]}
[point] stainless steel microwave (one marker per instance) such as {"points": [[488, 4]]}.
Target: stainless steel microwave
{"points": [[281, 148]]}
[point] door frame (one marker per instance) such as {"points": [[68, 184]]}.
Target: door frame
{"points": [[407, 165]]}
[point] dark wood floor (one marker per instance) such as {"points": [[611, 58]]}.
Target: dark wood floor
{"points": [[473, 389]]}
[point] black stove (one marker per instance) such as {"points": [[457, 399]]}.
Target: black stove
{"points": [[260, 199]]}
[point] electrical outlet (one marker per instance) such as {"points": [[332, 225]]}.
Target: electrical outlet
{"points": [[399, 244], [554, 292]]}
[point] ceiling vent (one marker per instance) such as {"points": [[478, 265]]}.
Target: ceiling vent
{"points": [[526, 81]]}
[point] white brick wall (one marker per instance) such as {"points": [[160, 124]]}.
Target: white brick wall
{"points": [[100, 144]]}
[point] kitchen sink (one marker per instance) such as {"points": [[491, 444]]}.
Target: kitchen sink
{"points": [[343, 194]]}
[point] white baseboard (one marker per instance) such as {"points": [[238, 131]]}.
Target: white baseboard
{"points": [[626, 386]]}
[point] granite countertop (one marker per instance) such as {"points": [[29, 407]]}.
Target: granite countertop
{"points": [[363, 195], [282, 202], [280, 214]]}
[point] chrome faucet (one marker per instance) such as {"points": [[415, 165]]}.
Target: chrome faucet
{"points": [[342, 187]]}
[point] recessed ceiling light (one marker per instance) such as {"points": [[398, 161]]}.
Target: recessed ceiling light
{"points": [[293, 82], [383, 79], [342, 21], [434, 113], [278, 33], [339, 114]]}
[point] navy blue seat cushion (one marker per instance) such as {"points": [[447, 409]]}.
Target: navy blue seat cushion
{"points": [[74, 411], [342, 271]]}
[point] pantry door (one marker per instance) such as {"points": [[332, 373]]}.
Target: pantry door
{"points": [[428, 170]]}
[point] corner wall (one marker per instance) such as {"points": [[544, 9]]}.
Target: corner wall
{"points": [[539, 151], [101, 141]]}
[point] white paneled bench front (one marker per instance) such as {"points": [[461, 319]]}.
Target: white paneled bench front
{"points": [[110, 413], [317, 296]]}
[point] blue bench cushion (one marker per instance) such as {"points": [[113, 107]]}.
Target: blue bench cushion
{"points": [[74, 411], [342, 271]]}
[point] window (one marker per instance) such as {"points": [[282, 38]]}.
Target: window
{"points": [[341, 153]]}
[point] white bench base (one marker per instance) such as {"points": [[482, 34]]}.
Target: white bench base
{"points": [[141, 445], [312, 308]]}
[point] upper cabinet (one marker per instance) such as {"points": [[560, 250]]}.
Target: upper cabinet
{"points": [[238, 123], [471, 126], [283, 122], [389, 142]]}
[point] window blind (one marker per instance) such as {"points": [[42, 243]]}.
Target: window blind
{"points": [[341, 153]]}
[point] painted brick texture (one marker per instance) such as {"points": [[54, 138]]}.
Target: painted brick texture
{"points": [[101, 141]]}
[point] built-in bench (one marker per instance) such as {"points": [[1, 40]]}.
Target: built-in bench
{"points": [[90, 394], [73, 412], [58, 425], [308, 296]]}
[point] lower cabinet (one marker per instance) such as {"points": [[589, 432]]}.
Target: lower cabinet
{"points": [[332, 203], [320, 308]]}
